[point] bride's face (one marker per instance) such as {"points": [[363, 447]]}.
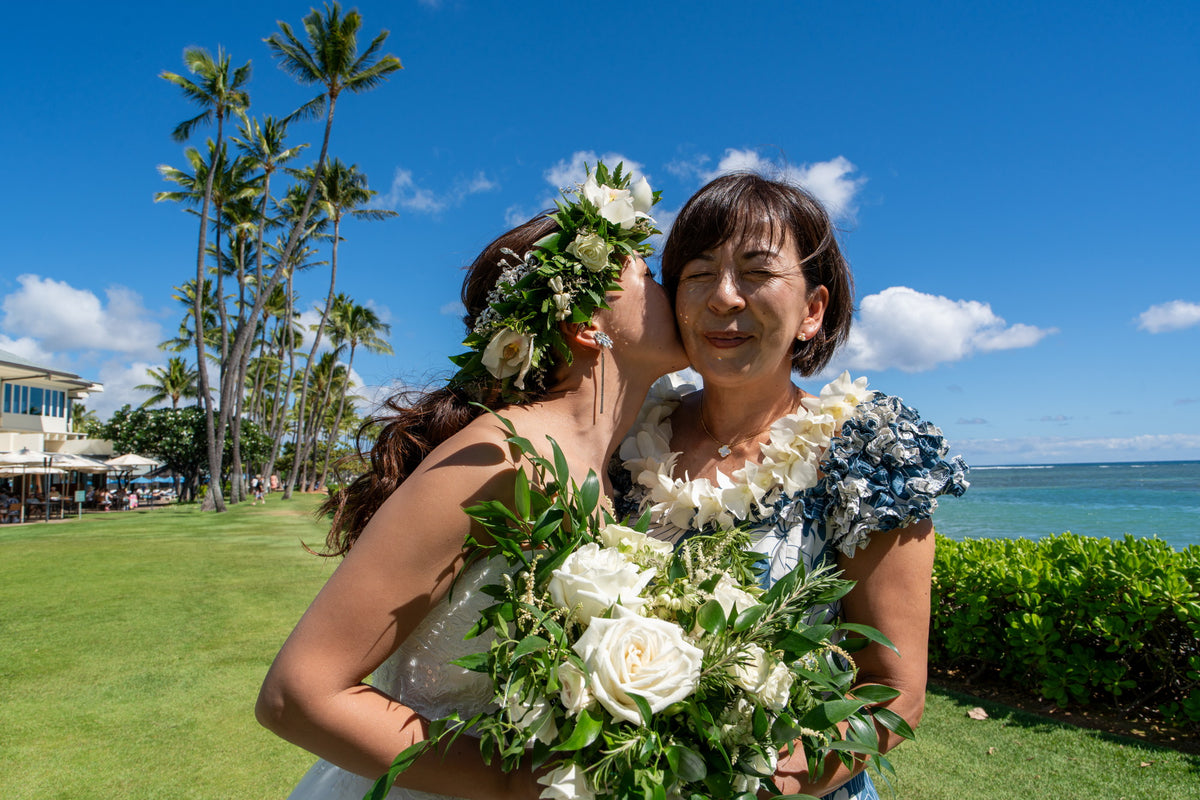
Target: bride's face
{"points": [[641, 323]]}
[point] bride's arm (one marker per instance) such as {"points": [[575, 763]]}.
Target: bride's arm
{"points": [[400, 567]]}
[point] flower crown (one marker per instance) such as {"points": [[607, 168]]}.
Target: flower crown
{"points": [[564, 277]]}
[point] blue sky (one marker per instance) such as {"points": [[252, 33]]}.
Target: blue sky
{"points": [[1015, 182]]}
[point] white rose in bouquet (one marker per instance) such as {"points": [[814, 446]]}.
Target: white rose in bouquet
{"points": [[752, 669], [574, 693], [777, 688], [525, 713], [614, 535], [729, 594], [633, 655], [566, 783], [594, 578]]}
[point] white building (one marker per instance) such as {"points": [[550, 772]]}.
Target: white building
{"points": [[35, 408]]}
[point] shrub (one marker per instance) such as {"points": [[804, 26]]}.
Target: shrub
{"points": [[1113, 621]]}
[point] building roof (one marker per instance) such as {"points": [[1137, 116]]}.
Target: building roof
{"points": [[14, 367]]}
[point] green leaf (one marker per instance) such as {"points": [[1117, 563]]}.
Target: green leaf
{"points": [[875, 693], [400, 763], [587, 728], [530, 644], [589, 493], [476, 662], [521, 494], [644, 708], [830, 713], [893, 722], [686, 763], [562, 470], [749, 617], [711, 617], [870, 633]]}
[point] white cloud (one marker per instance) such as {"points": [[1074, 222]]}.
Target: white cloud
{"points": [[1173, 316], [832, 182], [905, 329], [406, 194], [119, 378], [454, 309], [27, 348], [570, 172], [60, 317], [1064, 450], [516, 215]]}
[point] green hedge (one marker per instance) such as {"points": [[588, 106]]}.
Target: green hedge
{"points": [[1078, 619]]}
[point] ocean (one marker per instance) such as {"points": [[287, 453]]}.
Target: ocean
{"points": [[1102, 500]]}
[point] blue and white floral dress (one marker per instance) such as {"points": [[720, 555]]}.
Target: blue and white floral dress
{"points": [[846, 464]]}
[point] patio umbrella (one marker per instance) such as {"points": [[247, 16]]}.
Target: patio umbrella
{"points": [[26, 460], [131, 460]]}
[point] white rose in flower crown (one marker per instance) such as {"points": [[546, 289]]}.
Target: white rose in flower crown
{"points": [[509, 353], [574, 693], [614, 535], [643, 197], [566, 783], [592, 251], [615, 205], [629, 654], [593, 578]]}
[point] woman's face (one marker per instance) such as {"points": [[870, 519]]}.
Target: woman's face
{"points": [[741, 305], [640, 321]]}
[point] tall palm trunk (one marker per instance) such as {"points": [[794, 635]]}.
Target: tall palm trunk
{"points": [[337, 420]]}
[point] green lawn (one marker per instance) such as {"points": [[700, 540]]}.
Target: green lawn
{"points": [[132, 645]]}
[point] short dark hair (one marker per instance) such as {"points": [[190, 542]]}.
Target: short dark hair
{"points": [[739, 204]]}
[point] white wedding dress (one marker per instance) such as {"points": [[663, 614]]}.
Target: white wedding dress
{"points": [[421, 677]]}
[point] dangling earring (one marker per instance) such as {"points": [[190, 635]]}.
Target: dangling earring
{"points": [[606, 343]]}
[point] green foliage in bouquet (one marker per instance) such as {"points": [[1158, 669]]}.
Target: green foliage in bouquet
{"points": [[627, 669]]}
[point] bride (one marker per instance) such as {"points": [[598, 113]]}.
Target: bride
{"points": [[555, 362]]}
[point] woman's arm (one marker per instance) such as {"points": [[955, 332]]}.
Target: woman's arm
{"points": [[892, 594], [398, 570]]}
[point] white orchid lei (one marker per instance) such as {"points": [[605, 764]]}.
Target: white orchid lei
{"points": [[628, 670], [565, 277], [790, 459]]}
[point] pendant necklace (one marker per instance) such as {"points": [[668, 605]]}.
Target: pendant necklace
{"points": [[725, 448]]}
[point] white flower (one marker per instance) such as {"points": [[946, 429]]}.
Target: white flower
{"points": [[574, 693], [729, 594], [643, 197], [562, 302], [777, 688], [566, 783], [526, 712], [594, 578], [614, 535], [556, 284], [615, 205], [592, 250], [629, 654], [509, 353]]}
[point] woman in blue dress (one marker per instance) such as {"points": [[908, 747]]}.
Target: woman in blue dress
{"points": [[762, 292]]}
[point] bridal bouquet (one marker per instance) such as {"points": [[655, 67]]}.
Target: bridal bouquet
{"points": [[626, 669]]}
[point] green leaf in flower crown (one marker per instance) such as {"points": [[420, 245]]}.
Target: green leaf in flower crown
{"points": [[711, 617], [530, 644], [686, 763], [586, 729], [870, 633], [830, 713]]}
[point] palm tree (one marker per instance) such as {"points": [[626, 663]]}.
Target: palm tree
{"points": [[219, 93], [175, 381], [343, 188], [354, 325]]}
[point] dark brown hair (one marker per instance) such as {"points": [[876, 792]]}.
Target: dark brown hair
{"points": [[737, 205], [413, 422]]}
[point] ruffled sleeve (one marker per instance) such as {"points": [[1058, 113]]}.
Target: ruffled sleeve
{"points": [[884, 470]]}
